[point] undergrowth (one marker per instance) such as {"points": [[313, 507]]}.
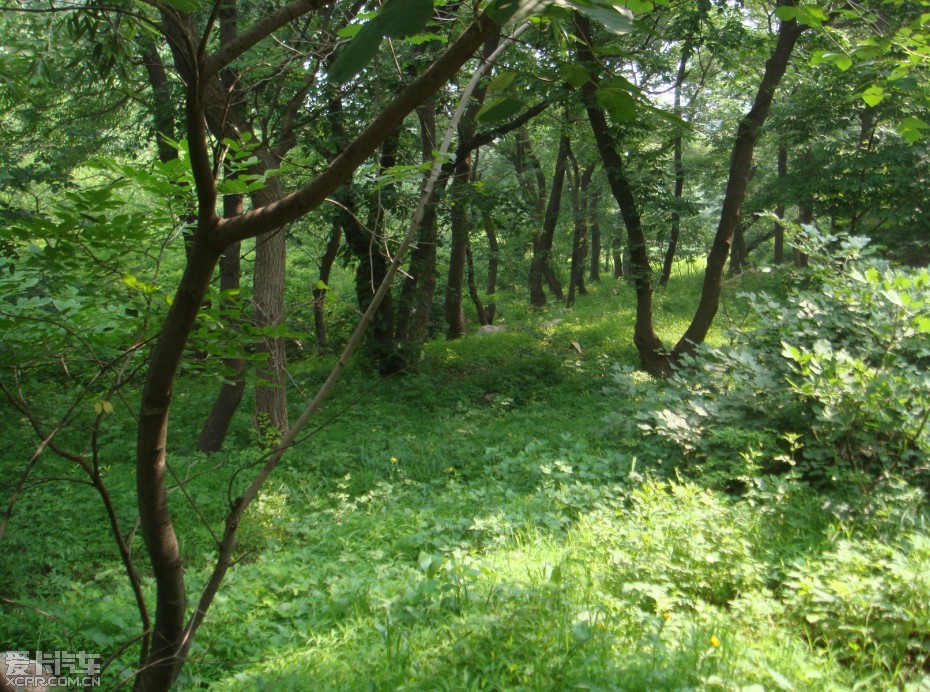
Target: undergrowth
{"points": [[509, 513]]}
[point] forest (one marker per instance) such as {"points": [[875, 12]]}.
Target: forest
{"points": [[417, 344]]}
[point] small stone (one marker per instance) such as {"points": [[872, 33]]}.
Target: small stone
{"points": [[492, 329]]}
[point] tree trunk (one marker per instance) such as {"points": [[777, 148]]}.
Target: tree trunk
{"points": [[319, 291], [212, 236], [649, 346], [458, 218], [215, 427], [617, 253], [268, 303], [740, 168], [779, 230], [473, 287], [493, 250], [416, 297], [577, 183], [675, 230], [595, 226], [737, 250], [542, 244]]}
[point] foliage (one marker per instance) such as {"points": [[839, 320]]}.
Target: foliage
{"points": [[832, 381]]}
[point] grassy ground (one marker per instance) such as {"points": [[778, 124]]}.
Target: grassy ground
{"points": [[473, 523]]}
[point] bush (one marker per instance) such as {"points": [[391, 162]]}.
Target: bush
{"points": [[833, 380]]}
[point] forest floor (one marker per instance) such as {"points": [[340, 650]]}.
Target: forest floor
{"points": [[493, 519]]}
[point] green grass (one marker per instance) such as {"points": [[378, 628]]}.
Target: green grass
{"points": [[471, 523]]}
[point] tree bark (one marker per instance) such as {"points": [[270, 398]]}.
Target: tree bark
{"points": [[648, 345], [675, 229], [319, 291], [473, 287], [268, 301], [593, 202], [493, 250], [740, 168], [215, 427], [419, 286], [542, 244], [578, 183], [458, 192], [211, 237], [778, 229]]}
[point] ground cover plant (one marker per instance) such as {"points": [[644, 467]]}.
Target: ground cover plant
{"points": [[494, 548], [401, 343]]}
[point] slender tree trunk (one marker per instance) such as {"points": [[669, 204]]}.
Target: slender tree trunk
{"points": [[593, 202], [675, 230], [416, 297], [740, 168], [805, 216], [617, 254], [577, 183], [319, 291], [651, 352], [778, 229], [211, 237], [268, 303], [493, 250], [473, 287], [542, 244], [455, 319], [737, 250], [215, 427]]}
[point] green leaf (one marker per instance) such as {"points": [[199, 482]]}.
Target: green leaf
{"points": [[640, 6], [356, 53], [617, 20], [617, 102], [499, 110], [402, 18], [874, 95], [911, 129], [508, 11], [349, 31], [809, 15], [575, 75], [502, 81]]}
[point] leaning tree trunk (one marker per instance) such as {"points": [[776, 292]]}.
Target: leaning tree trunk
{"points": [[740, 169], [542, 244], [210, 238], [651, 352], [675, 230]]}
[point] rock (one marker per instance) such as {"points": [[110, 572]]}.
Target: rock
{"points": [[492, 329]]}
